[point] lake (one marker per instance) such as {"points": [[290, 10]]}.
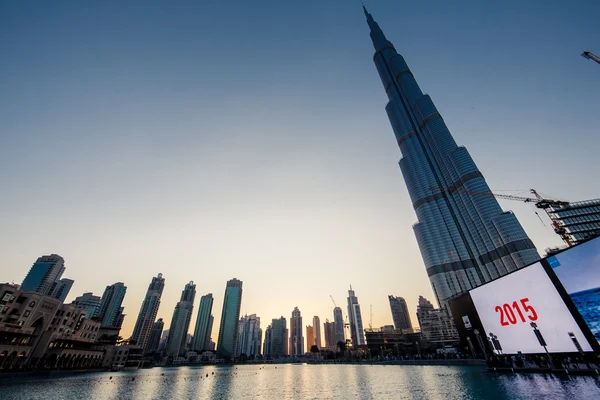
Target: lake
{"points": [[291, 381]]}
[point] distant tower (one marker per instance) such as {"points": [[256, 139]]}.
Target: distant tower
{"points": [[465, 240], [400, 313], [338, 322], [180, 323], [88, 302], [204, 323], [296, 337], [310, 337], [44, 275], [61, 288], [329, 329], [111, 310], [154, 337], [278, 338], [148, 311], [355, 317], [249, 336], [267, 343], [317, 328], [230, 315]]}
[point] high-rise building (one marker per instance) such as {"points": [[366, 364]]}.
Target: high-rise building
{"points": [[317, 328], [400, 313], [204, 323], [338, 322], [310, 337], [154, 337], [278, 338], [230, 315], [330, 340], [88, 302], [148, 311], [249, 336], [577, 221], [61, 288], [436, 324], [296, 336], [464, 240], [44, 275], [111, 312], [180, 323], [357, 333], [267, 343]]}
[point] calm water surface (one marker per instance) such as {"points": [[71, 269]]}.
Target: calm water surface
{"points": [[303, 382]]}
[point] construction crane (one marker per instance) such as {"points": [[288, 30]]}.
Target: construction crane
{"points": [[548, 205], [335, 305], [590, 56]]}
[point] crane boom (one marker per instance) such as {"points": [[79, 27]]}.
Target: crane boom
{"points": [[590, 56], [335, 305]]}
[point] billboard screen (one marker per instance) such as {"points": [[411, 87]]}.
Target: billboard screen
{"points": [[524, 311], [578, 270]]}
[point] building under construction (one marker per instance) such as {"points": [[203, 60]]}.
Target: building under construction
{"points": [[576, 222]]}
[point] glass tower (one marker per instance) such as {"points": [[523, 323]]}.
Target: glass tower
{"points": [[44, 274], [229, 319], [338, 323], [354, 315], [111, 311], [464, 240], [400, 313], [204, 323], [148, 311], [180, 323]]}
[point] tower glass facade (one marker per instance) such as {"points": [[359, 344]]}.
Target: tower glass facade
{"points": [[317, 328], [44, 274], [400, 313], [230, 315], [338, 323], [180, 323], [357, 333], [148, 311], [296, 334], [204, 323], [111, 311], [464, 240]]}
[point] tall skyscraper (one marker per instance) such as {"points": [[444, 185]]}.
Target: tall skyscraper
{"points": [[88, 302], [44, 275], [310, 337], [400, 313], [338, 322], [154, 337], [111, 311], [148, 311], [317, 328], [436, 325], [267, 343], [230, 315], [249, 336], [278, 337], [296, 336], [465, 240], [204, 323], [61, 288], [180, 323], [357, 333], [330, 341]]}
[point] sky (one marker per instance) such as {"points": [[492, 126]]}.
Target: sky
{"points": [[219, 139], [578, 269]]}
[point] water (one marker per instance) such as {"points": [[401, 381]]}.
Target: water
{"points": [[303, 382], [588, 305]]}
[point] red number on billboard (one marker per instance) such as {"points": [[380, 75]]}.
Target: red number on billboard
{"points": [[501, 311], [533, 315], [508, 317]]}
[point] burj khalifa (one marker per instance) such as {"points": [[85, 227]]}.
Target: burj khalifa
{"points": [[465, 239]]}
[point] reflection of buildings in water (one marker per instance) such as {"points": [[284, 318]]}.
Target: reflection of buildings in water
{"points": [[588, 304]]}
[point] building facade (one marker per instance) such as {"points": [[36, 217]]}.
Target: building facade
{"points": [[44, 274], [204, 324], [154, 337], [317, 328], [88, 302], [338, 322], [296, 336], [226, 344], [577, 221], [267, 342], [249, 336], [61, 288], [464, 240], [148, 311], [310, 337], [436, 325], [111, 310], [279, 340], [180, 323], [329, 331], [357, 333], [400, 314]]}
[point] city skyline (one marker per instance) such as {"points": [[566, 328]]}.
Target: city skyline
{"points": [[363, 157]]}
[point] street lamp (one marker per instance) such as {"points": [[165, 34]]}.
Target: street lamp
{"points": [[540, 339], [480, 341]]}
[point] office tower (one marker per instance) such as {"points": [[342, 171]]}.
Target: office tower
{"points": [[317, 328], [44, 274], [230, 315], [111, 311], [278, 338], [204, 323], [148, 311], [154, 337], [310, 337], [330, 340], [249, 336], [436, 325], [356, 326], [296, 336], [400, 313], [267, 343], [180, 323], [338, 321], [287, 342], [464, 240], [61, 288], [88, 302]]}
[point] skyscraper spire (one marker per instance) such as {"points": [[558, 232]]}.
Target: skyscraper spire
{"points": [[464, 241]]}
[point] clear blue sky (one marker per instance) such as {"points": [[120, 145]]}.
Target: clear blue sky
{"points": [[214, 139]]}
